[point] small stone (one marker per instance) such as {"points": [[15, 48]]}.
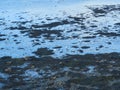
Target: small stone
{"points": [[60, 63], [8, 70], [26, 58], [66, 73], [100, 46], [54, 78], [109, 66], [32, 66], [9, 62]]}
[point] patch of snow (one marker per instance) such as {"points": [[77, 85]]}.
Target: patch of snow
{"points": [[32, 74], [4, 76]]}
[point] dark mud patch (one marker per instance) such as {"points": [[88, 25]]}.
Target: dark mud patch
{"points": [[45, 33], [109, 34], [118, 24], [21, 22], [102, 11], [85, 47], [78, 19], [89, 72], [51, 25], [89, 37], [86, 40], [43, 52], [18, 28], [2, 35], [2, 39]]}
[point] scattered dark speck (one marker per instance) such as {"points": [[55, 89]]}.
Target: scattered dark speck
{"points": [[2, 39], [85, 47], [75, 46], [109, 43], [101, 46], [81, 51], [89, 37]]}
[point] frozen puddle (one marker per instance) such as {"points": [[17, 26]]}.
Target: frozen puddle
{"points": [[67, 31]]}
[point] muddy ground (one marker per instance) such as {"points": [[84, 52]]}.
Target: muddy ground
{"points": [[75, 72], [78, 52]]}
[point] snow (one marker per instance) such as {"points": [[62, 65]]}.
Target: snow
{"points": [[36, 11]]}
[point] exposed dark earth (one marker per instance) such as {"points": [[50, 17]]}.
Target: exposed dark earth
{"points": [[73, 52]]}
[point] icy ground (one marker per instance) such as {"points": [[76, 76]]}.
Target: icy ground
{"points": [[73, 30], [82, 36]]}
